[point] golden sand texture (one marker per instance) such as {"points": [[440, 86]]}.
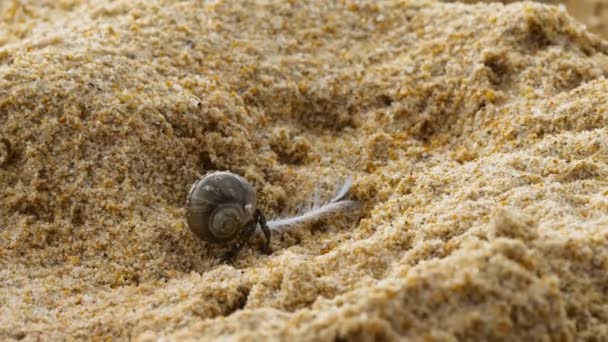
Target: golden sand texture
{"points": [[476, 135], [593, 13]]}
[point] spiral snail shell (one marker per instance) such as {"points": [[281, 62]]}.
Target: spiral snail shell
{"points": [[221, 208]]}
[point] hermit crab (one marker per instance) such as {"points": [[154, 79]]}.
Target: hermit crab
{"points": [[222, 209]]}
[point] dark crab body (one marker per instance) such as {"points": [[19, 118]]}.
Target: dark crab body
{"points": [[221, 209]]}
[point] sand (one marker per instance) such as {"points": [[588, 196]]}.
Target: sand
{"points": [[475, 133]]}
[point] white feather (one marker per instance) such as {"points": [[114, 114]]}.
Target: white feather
{"points": [[315, 211]]}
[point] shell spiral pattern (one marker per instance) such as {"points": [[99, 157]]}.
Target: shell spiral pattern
{"points": [[220, 206]]}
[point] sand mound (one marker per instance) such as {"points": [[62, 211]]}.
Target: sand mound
{"points": [[476, 135]]}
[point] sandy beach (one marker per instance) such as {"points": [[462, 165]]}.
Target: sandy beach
{"points": [[476, 135]]}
